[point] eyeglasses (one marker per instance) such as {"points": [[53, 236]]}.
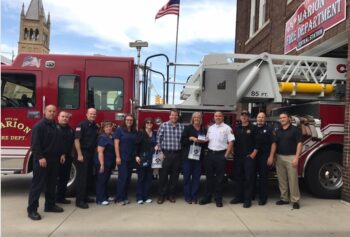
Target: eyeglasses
{"points": [[149, 122], [129, 120]]}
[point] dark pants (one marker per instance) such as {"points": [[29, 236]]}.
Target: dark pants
{"points": [[144, 181], [84, 174], [192, 173], [244, 173], [102, 183], [124, 177], [215, 170], [263, 170], [171, 166], [43, 178], [63, 177]]}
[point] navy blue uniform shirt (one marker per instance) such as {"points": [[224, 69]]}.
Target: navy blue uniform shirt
{"points": [[86, 132], [264, 139], [66, 139], [45, 142], [245, 139]]}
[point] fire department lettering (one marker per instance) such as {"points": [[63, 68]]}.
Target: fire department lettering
{"points": [[15, 124]]}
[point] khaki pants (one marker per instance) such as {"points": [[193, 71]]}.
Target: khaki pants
{"points": [[287, 178]]}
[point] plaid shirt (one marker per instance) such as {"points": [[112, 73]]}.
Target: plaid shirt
{"points": [[169, 136]]}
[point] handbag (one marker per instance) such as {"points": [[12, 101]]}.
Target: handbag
{"points": [[157, 160], [195, 152]]}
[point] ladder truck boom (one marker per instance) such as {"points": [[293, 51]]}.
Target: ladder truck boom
{"points": [[265, 78]]}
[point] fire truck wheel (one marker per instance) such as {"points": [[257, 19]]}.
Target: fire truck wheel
{"points": [[71, 185], [324, 174]]}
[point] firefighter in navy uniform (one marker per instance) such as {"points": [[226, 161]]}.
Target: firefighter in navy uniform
{"points": [[46, 152], [263, 144], [85, 143], [245, 153], [66, 141]]}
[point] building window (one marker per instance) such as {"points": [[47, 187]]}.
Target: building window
{"points": [[262, 12], [68, 92], [105, 93], [17, 90], [25, 33], [252, 17]]}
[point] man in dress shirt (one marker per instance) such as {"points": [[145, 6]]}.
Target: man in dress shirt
{"points": [[220, 146]]}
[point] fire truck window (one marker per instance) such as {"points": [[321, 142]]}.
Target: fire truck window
{"points": [[17, 90], [105, 93], [68, 92]]}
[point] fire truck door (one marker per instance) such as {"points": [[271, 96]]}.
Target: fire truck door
{"points": [[22, 106]]}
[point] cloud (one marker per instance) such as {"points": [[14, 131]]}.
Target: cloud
{"points": [[116, 23]]}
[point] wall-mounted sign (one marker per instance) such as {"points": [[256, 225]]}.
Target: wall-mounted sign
{"points": [[310, 22]]}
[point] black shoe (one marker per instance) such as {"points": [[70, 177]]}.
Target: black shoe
{"points": [[34, 215], [296, 205], [262, 202], [89, 200], [219, 204], [236, 201], [204, 201], [281, 202], [172, 199], [64, 201], [82, 205], [54, 208], [247, 204], [160, 200]]}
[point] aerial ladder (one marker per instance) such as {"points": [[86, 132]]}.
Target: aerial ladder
{"points": [[226, 79]]}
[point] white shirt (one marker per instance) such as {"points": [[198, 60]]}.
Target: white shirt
{"points": [[219, 136]]}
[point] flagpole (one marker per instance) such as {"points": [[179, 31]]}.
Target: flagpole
{"points": [[177, 37]]}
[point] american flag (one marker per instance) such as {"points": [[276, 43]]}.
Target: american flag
{"points": [[172, 7]]}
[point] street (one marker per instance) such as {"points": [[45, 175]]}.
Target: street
{"points": [[317, 217]]}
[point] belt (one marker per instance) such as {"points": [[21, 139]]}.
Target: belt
{"points": [[216, 152], [171, 151]]}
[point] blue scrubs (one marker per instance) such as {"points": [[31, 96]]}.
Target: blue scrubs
{"points": [[127, 154], [109, 162]]}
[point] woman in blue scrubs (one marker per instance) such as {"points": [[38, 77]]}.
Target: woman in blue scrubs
{"points": [[124, 142], [104, 162]]}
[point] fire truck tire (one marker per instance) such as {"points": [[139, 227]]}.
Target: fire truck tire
{"points": [[324, 174], [71, 185]]}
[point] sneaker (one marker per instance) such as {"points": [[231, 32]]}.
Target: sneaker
{"points": [[139, 202], [126, 201], [296, 205], [148, 200], [121, 203], [104, 203], [111, 199], [281, 202]]}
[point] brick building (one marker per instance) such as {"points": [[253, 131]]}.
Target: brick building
{"points": [[298, 27]]}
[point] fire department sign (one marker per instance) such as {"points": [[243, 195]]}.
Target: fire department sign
{"points": [[310, 22]]}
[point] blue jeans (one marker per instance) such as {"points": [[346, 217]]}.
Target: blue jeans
{"points": [[192, 173]]}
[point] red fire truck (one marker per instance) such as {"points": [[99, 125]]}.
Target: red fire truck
{"points": [[114, 86]]}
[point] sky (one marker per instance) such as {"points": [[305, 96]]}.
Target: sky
{"points": [[107, 26]]}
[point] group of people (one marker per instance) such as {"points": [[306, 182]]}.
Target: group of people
{"points": [[181, 148]]}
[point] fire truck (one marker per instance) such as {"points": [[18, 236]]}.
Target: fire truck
{"points": [[310, 88]]}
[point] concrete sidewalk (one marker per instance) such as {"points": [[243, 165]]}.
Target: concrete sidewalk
{"points": [[317, 217]]}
